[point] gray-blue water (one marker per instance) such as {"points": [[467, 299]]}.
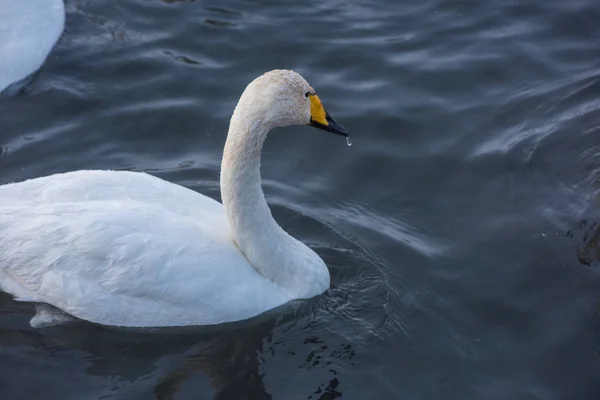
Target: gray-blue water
{"points": [[460, 228]]}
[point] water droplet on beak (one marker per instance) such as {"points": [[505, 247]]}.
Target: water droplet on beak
{"points": [[348, 141]]}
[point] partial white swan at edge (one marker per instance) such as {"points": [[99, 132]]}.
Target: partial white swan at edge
{"points": [[129, 249], [29, 29]]}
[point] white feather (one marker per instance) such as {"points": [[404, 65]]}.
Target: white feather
{"points": [[28, 31], [129, 249]]}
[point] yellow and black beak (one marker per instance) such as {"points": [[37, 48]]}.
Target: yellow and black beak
{"points": [[319, 118]]}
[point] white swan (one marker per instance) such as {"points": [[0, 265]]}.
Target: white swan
{"points": [[28, 31], [129, 249]]}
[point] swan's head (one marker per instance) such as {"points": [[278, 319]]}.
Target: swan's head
{"points": [[282, 98]]}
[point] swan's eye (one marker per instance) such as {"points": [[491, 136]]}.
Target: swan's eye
{"points": [[306, 94]]}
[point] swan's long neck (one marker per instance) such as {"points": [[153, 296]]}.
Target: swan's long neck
{"points": [[241, 189], [270, 250]]}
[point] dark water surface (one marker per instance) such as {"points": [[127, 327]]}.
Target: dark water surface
{"points": [[460, 228]]}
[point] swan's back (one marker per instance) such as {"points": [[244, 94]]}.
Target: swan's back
{"points": [[28, 31], [102, 185]]}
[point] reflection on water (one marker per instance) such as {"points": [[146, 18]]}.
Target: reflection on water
{"points": [[168, 365]]}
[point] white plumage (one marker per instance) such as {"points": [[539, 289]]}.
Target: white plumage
{"points": [[28, 31], [129, 249]]}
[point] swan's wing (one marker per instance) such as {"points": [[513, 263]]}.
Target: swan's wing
{"points": [[91, 185], [129, 264]]}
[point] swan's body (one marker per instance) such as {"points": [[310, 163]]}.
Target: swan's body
{"points": [[28, 31], [130, 249], [127, 249]]}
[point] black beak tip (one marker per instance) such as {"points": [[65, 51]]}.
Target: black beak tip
{"points": [[341, 130], [332, 126], [335, 127]]}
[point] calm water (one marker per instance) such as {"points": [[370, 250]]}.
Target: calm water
{"points": [[460, 228]]}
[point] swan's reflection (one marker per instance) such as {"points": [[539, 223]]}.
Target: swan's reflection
{"points": [[156, 362], [230, 361], [165, 364], [168, 359]]}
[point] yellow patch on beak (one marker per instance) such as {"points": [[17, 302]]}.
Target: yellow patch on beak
{"points": [[317, 112]]}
